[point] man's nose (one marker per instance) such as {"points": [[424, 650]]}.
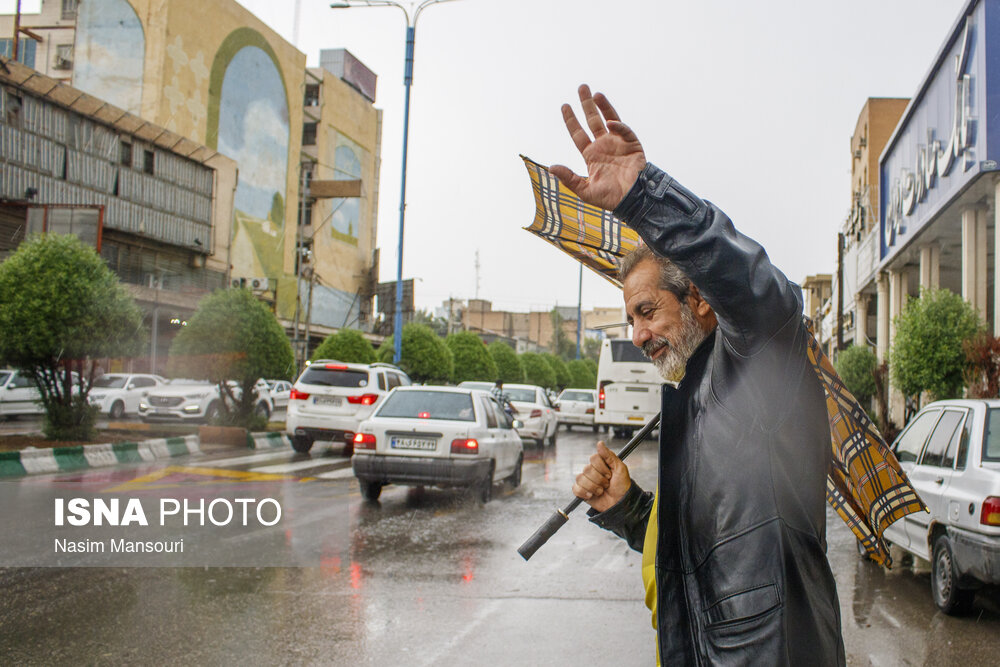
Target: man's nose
{"points": [[640, 334]]}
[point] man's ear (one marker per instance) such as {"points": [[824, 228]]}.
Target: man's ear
{"points": [[698, 304]]}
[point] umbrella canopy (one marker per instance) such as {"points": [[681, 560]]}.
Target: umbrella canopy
{"points": [[865, 486]]}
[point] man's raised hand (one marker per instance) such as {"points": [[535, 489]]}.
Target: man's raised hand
{"points": [[604, 481], [614, 156]]}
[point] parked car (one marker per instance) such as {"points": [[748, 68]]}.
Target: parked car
{"points": [[330, 399], [951, 452], [280, 390], [576, 407], [443, 436], [19, 394], [118, 394], [534, 411], [195, 402]]}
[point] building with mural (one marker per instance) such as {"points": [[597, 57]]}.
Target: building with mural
{"points": [[155, 205], [218, 76]]}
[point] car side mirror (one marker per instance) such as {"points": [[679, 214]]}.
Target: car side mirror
{"points": [[518, 423]]}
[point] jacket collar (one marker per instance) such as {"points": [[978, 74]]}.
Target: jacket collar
{"points": [[696, 362]]}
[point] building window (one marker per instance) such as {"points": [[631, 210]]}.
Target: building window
{"points": [[69, 9], [126, 154], [64, 56], [26, 48], [309, 134], [312, 94], [148, 160]]}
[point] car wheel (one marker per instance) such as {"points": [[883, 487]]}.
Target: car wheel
{"points": [[117, 410], [302, 444], [552, 438], [370, 490], [349, 449], [597, 429], [262, 410], [944, 581], [569, 427], [515, 477], [213, 412], [486, 485]]}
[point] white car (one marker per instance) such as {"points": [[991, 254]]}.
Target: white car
{"points": [[443, 436], [951, 452], [196, 402], [534, 411], [19, 395], [575, 407], [330, 399], [280, 391], [118, 394]]}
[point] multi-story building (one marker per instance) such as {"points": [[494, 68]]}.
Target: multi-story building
{"points": [[218, 76], [45, 39], [155, 205]]}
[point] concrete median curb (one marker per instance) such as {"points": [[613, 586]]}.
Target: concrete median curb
{"points": [[81, 457], [268, 440]]}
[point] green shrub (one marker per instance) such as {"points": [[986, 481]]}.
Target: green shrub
{"points": [[425, 357], [472, 360], [856, 367], [509, 368], [563, 378], [537, 371], [347, 345], [582, 377]]}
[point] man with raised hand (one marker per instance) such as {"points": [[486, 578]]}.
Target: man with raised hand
{"points": [[733, 542]]}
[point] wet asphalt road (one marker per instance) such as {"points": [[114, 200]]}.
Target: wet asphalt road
{"points": [[426, 578]]}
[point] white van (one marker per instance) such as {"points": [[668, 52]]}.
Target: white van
{"points": [[628, 387]]}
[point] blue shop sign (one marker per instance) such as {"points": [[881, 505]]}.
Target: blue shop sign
{"points": [[945, 140]]}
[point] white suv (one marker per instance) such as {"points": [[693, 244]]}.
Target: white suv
{"points": [[187, 400], [118, 394], [331, 397], [951, 453]]}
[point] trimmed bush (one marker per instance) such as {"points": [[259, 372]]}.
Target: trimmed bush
{"points": [[509, 368], [347, 345], [538, 371], [472, 360]]}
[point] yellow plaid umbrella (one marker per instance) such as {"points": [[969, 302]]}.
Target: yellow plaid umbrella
{"points": [[865, 486]]}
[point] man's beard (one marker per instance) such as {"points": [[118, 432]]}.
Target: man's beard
{"points": [[672, 362]]}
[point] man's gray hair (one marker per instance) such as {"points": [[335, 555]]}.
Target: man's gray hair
{"points": [[672, 279]]}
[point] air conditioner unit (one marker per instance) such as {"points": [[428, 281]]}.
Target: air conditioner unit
{"points": [[237, 283], [259, 284], [63, 63]]}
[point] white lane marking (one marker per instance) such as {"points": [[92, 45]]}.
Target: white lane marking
{"points": [[290, 467], [249, 458], [336, 474], [471, 625]]}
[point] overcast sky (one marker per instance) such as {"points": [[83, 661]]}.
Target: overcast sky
{"points": [[748, 104]]}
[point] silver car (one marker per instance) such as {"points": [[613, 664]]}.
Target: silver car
{"points": [[951, 452]]}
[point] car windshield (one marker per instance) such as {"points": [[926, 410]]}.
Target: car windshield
{"points": [[624, 350], [577, 396], [522, 395], [3, 376], [428, 405], [110, 381], [991, 445], [334, 377]]}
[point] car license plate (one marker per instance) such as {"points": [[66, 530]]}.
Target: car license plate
{"points": [[335, 401], [635, 418], [412, 443]]}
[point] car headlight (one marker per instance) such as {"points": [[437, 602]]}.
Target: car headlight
{"points": [[191, 408], [143, 406]]}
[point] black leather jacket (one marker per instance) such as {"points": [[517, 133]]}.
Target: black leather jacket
{"points": [[741, 569]]}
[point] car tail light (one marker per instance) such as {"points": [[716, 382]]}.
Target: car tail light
{"points": [[335, 367], [423, 415], [535, 413], [465, 446], [364, 441], [557, 408], [590, 411], [297, 395], [990, 515], [363, 399], [600, 400]]}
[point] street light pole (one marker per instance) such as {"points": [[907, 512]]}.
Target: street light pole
{"points": [[411, 32]]}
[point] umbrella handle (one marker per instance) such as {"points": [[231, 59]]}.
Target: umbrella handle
{"points": [[561, 516]]}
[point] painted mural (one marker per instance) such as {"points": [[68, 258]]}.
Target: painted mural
{"points": [[185, 90], [110, 53], [253, 129], [347, 212]]}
